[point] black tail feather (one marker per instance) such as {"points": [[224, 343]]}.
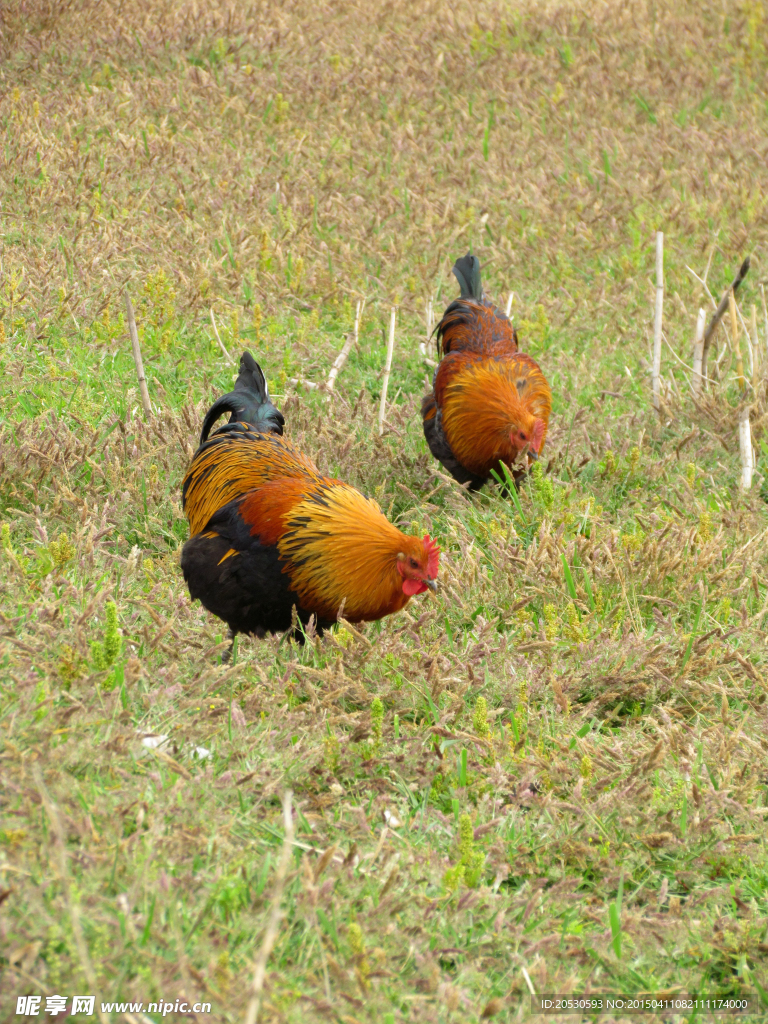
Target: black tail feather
{"points": [[249, 402], [467, 273]]}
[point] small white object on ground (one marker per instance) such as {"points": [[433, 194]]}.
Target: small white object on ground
{"points": [[154, 742]]}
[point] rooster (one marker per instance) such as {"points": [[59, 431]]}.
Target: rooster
{"points": [[268, 532], [489, 402]]}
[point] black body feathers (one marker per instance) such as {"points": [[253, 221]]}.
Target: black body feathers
{"points": [[246, 588]]}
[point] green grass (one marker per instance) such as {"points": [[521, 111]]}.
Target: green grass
{"points": [[555, 769]]}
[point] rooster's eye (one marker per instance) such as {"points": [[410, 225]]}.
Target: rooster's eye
{"points": [[414, 564], [522, 436]]}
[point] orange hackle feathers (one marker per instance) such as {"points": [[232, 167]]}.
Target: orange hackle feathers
{"points": [[489, 402], [269, 533], [216, 478], [484, 401], [340, 547]]}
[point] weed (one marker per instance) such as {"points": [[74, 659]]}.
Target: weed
{"points": [[377, 722], [104, 652], [469, 867], [480, 718]]}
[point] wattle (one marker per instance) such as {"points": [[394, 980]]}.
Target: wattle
{"points": [[411, 587]]}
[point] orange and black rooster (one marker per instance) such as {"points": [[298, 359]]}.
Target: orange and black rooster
{"points": [[267, 532], [488, 402]]}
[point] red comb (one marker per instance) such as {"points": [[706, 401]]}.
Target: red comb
{"points": [[433, 556]]}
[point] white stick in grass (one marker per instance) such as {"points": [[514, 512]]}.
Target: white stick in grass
{"points": [[528, 982], [750, 360], [227, 356], [765, 321], [755, 340], [137, 355], [387, 368], [341, 358], [424, 345], [510, 300], [745, 448], [698, 349], [657, 319]]}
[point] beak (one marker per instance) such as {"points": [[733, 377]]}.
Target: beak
{"points": [[532, 455], [432, 584]]}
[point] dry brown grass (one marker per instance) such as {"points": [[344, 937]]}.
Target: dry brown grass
{"points": [[614, 622], [161, 146]]}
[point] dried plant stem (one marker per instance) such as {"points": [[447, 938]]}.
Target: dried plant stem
{"points": [[137, 356], [748, 335], [71, 900], [745, 449], [703, 283], [677, 357], [673, 380], [765, 322], [273, 924], [352, 339], [717, 315], [657, 320], [698, 348], [339, 361], [510, 300], [227, 356], [387, 368], [424, 345], [528, 982], [735, 336], [754, 345]]}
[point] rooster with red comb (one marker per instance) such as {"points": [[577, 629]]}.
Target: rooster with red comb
{"points": [[489, 402], [268, 532]]}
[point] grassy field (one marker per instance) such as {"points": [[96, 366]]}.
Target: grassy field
{"points": [[554, 775]]}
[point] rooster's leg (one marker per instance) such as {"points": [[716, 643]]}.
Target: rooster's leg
{"points": [[228, 653]]}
